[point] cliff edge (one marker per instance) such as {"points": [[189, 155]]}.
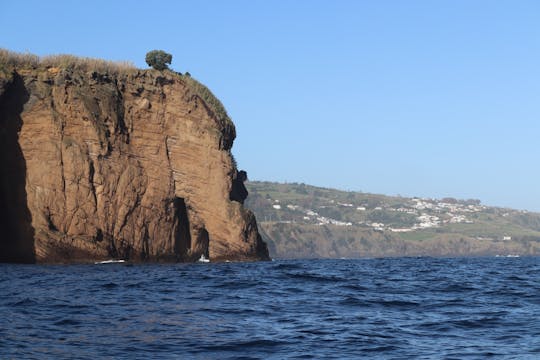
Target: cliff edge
{"points": [[99, 163]]}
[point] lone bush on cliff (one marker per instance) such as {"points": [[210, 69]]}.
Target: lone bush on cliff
{"points": [[158, 59]]}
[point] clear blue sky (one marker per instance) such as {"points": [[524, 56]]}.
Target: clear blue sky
{"points": [[418, 98]]}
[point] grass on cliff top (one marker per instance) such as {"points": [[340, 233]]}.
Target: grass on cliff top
{"points": [[10, 60], [208, 97]]}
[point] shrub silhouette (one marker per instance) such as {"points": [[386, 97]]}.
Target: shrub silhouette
{"points": [[158, 59]]}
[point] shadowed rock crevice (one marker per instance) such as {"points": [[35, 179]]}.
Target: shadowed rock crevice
{"points": [[202, 242], [182, 235], [145, 248], [16, 231], [238, 190]]}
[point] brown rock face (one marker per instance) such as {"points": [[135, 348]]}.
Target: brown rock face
{"points": [[134, 166]]}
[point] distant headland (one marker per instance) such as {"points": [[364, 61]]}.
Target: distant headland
{"points": [[302, 221]]}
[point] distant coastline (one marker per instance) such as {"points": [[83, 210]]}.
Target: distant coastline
{"points": [[303, 221]]}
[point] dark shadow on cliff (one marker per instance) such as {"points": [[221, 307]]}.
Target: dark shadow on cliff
{"points": [[16, 231], [182, 236], [188, 247], [202, 244], [238, 190]]}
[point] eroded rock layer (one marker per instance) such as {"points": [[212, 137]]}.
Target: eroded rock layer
{"points": [[133, 166]]}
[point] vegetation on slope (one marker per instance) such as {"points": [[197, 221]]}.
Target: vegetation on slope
{"points": [[208, 97]]}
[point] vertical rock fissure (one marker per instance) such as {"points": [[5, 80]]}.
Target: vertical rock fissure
{"points": [[182, 236], [16, 231], [121, 127], [91, 173], [62, 174], [145, 251]]}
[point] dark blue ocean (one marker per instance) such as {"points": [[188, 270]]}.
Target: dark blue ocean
{"points": [[397, 308]]}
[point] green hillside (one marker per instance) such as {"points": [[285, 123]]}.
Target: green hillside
{"points": [[299, 220]]}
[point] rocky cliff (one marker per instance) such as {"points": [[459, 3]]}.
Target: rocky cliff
{"points": [[127, 164]]}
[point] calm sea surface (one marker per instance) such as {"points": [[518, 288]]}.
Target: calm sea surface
{"points": [[327, 309]]}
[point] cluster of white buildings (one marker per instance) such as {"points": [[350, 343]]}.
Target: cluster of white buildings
{"points": [[434, 205], [423, 209], [321, 220], [310, 215]]}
